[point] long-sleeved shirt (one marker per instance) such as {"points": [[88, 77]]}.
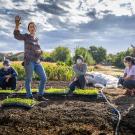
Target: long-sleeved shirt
{"points": [[31, 47], [80, 69], [10, 71]]}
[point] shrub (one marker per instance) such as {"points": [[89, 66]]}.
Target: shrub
{"points": [[58, 72], [87, 56]]}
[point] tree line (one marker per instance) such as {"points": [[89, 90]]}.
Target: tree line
{"points": [[92, 55]]}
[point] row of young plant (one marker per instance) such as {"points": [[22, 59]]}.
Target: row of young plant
{"points": [[31, 102], [54, 71]]}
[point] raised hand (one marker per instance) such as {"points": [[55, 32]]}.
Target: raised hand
{"points": [[17, 20]]}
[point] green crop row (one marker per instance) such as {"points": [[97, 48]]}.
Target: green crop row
{"points": [[92, 91], [29, 102], [53, 71]]}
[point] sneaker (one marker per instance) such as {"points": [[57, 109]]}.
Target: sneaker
{"points": [[41, 98], [31, 97]]}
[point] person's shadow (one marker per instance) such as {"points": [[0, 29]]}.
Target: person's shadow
{"points": [[126, 105]]}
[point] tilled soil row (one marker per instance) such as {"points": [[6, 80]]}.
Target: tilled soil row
{"points": [[70, 117]]}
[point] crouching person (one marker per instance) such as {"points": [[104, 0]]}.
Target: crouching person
{"points": [[128, 80], [79, 81], [8, 76]]}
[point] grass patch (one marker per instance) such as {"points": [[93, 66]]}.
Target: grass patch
{"points": [[29, 102], [6, 91], [56, 90], [12, 91], [77, 91], [86, 92]]}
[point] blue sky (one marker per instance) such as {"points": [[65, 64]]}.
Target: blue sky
{"points": [[70, 23]]}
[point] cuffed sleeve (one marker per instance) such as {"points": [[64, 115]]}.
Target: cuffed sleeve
{"points": [[18, 35]]}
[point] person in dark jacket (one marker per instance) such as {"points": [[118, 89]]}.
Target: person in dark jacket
{"points": [[8, 76], [80, 69]]}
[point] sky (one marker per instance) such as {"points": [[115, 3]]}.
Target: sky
{"points": [[70, 23]]}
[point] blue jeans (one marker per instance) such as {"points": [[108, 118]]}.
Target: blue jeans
{"points": [[37, 67]]}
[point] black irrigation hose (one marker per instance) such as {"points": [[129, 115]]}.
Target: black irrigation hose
{"points": [[115, 109]]}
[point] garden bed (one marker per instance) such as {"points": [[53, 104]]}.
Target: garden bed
{"points": [[20, 101], [73, 115], [55, 92]]}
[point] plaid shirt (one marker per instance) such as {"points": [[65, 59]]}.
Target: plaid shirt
{"points": [[30, 47]]}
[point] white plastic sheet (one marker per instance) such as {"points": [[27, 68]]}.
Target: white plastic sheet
{"points": [[100, 78]]}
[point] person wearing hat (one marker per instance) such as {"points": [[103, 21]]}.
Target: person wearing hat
{"points": [[8, 76], [80, 69]]}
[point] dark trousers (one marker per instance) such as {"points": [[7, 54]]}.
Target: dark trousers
{"points": [[79, 83], [130, 84], [10, 84]]}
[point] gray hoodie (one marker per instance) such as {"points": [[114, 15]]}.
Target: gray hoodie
{"points": [[80, 69]]}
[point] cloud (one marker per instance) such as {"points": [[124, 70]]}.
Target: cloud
{"points": [[69, 22], [52, 8]]}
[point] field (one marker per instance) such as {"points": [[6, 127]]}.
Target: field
{"points": [[69, 115]]}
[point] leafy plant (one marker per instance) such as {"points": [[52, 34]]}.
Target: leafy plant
{"points": [[29, 102], [54, 90], [86, 92], [86, 55], [57, 72]]}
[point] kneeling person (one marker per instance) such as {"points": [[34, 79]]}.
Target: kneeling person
{"points": [[8, 76], [128, 80], [80, 69]]}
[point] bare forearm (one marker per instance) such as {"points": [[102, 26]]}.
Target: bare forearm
{"points": [[17, 27], [128, 78]]}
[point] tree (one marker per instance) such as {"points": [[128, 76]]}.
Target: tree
{"points": [[119, 59], [84, 52], [110, 59], [62, 54], [98, 53], [47, 56]]}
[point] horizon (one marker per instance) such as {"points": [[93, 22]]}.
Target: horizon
{"points": [[51, 50], [106, 23]]}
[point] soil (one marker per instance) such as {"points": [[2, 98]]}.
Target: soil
{"points": [[71, 116]]}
